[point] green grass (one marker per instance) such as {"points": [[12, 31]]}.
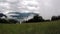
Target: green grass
{"points": [[31, 28]]}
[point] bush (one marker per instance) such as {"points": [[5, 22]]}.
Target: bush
{"points": [[3, 21], [13, 21], [55, 18], [8, 21]]}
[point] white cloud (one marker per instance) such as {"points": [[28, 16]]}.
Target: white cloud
{"points": [[29, 5], [5, 5], [11, 1]]}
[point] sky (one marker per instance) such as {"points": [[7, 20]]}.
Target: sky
{"points": [[45, 8]]}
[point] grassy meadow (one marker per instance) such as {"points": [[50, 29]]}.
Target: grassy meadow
{"points": [[52, 27]]}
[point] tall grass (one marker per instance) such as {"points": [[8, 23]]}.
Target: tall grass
{"points": [[31, 28]]}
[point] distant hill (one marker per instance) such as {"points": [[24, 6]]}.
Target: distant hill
{"points": [[20, 15]]}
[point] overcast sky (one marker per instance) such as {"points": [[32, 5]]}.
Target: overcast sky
{"points": [[45, 8]]}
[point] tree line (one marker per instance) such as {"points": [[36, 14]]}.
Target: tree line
{"points": [[38, 18], [35, 19]]}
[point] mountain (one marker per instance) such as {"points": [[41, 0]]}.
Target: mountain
{"points": [[19, 15]]}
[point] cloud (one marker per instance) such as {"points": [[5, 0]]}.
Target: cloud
{"points": [[11, 1], [49, 8], [29, 5], [45, 8], [5, 5]]}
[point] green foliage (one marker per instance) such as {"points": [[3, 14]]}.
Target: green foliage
{"points": [[31, 28], [53, 18], [35, 19]]}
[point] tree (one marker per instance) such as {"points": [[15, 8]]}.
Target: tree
{"points": [[1, 15], [36, 18], [58, 17], [4, 21], [14, 21], [54, 18]]}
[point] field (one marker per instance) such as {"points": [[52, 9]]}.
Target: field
{"points": [[52, 27]]}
